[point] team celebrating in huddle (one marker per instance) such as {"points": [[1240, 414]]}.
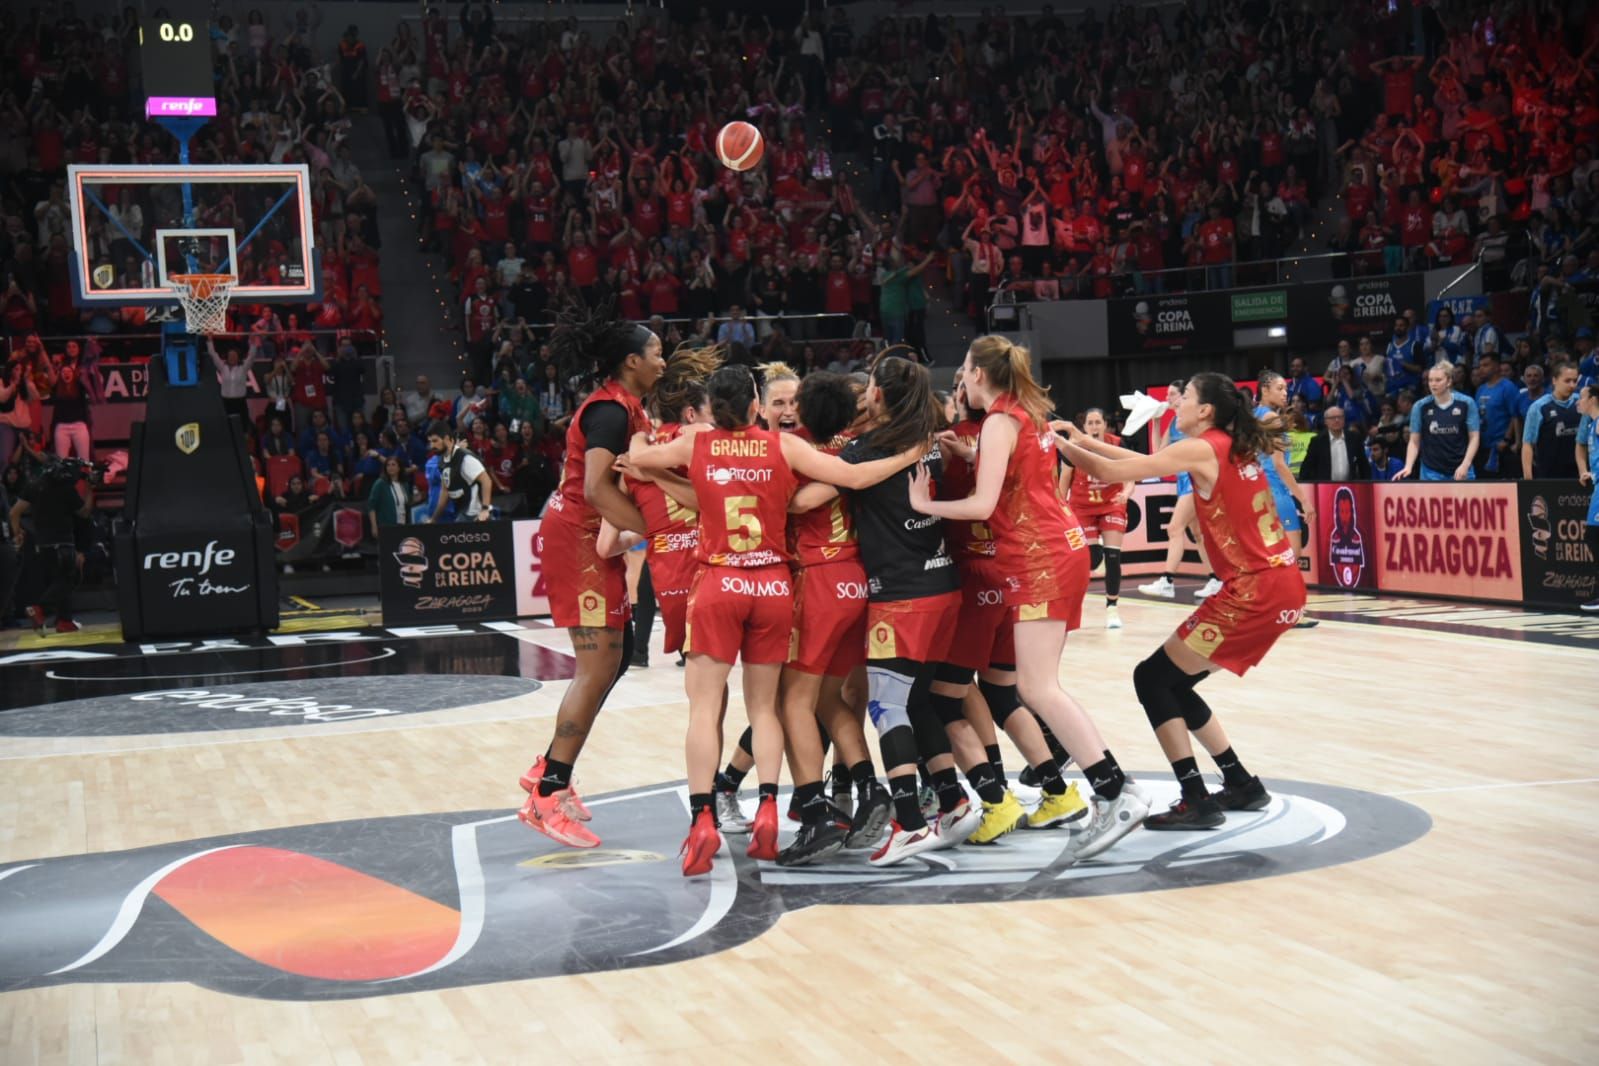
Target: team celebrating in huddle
{"points": [[832, 536]]}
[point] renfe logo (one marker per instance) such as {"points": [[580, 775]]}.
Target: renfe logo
{"points": [[203, 560], [179, 106]]}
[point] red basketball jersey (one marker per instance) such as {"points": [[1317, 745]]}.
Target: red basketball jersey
{"points": [[569, 504], [1088, 493], [967, 540], [1239, 520], [1029, 524], [744, 485], [823, 534], [671, 527]]}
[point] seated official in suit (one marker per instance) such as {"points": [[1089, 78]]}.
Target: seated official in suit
{"points": [[1335, 454]]}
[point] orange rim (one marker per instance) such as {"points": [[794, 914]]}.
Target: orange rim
{"points": [[201, 286]]}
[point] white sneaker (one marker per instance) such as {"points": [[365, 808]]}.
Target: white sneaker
{"points": [[1113, 618], [958, 824], [1112, 820], [901, 845], [1161, 587], [1210, 589], [730, 814]]}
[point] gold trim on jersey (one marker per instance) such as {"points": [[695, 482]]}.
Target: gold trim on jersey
{"points": [[591, 612], [880, 643]]}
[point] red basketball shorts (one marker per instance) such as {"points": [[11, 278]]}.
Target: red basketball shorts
{"points": [[735, 612], [672, 574], [585, 590], [1237, 627], [920, 630], [1113, 520], [985, 634], [1055, 594], [829, 619]]}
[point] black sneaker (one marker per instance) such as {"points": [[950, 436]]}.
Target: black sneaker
{"points": [[641, 658], [682, 659], [1028, 778], [813, 843], [1201, 814], [1251, 796], [871, 817], [840, 787]]}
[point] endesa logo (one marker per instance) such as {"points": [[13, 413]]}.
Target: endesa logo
{"points": [[211, 556]]}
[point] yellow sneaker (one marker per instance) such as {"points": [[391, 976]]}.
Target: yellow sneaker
{"points": [[1063, 809], [998, 819]]}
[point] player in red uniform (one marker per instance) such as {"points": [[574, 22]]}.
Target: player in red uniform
{"points": [[588, 593], [829, 644], [1262, 594], [1044, 557], [672, 527], [1101, 507], [741, 604], [987, 648]]}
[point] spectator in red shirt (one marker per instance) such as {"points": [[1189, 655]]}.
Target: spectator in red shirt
{"points": [[1216, 248], [310, 383]]}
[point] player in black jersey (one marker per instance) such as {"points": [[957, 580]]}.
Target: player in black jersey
{"points": [[913, 599]]}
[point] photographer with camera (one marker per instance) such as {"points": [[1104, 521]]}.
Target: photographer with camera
{"points": [[56, 502]]}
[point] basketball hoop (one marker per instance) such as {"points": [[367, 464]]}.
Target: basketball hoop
{"points": [[204, 298]]}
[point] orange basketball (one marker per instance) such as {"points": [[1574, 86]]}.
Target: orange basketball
{"points": [[739, 146]]}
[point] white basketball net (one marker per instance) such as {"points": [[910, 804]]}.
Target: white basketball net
{"points": [[204, 298]]}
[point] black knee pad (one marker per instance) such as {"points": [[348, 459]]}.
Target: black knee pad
{"points": [[1002, 700], [950, 674], [1096, 555], [1155, 681], [948, 708]]}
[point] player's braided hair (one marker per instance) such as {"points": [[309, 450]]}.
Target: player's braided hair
{"points": [[590, 340], [683, 382]]}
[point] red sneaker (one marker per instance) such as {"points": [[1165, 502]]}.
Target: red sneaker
{"points": [[65, 626], [702, 844], [530, 781], [763, 834], [552, 816], [36, 616]]}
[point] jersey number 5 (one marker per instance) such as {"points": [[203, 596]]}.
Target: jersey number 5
{"points": [[1271, 530], [743, 525]]}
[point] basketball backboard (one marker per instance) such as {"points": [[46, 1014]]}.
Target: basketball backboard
{"points": [[129, 234]]}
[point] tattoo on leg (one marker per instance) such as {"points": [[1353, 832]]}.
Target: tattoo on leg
{"points": [[586, 638], [569, 729]]}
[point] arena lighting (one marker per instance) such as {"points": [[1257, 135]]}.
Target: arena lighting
{"points": [[1277, 331]]}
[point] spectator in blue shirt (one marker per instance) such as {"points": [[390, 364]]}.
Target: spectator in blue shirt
{"points": [[1402, 360], [1499, 412], [1384, 467], [412, 447], [1446, 342], [1532, 389], [1444, 431], [1587, 358], [1300, 383], [737, 329], [1588, 470]]}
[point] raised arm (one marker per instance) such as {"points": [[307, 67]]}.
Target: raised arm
{"points": [[1190, 456], [819, 466]]}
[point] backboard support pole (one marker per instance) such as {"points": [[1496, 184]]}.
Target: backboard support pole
{"points": [[180, 347]]}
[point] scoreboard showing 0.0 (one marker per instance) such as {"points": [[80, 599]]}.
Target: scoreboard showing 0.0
{"points": [[176, 57], [176, 31]]}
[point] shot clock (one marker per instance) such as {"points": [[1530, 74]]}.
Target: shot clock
{"points": [[175, 52]]}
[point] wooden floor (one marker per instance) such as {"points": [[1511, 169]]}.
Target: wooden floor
{"points": [[1477, 942]]}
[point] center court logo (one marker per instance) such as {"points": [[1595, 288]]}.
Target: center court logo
{"points": [[446, 900]]}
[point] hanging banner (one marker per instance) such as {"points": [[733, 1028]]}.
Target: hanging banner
{"points": [[1179, 322], [1323, 313], [447, 573], [1558, 567]]}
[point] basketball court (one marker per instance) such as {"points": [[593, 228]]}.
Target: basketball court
{"points": [[303, 847]]}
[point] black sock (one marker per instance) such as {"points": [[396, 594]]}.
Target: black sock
{"points": [[997, 760], [1105, 777], [1232, 771], [1056, 749], [725, 783], [986, 783], [734, 776], [1169, 575], [557, 776], [768, 791], [841, 779], [700, 801], [1187, 772], [1049, 778], [907, 808], [811, 803], [922, 775], [746, 739], [948, 786], [865, 780]]}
